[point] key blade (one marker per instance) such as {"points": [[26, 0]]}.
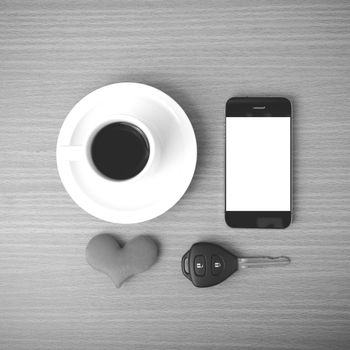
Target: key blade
{"points": [[264, 261]]}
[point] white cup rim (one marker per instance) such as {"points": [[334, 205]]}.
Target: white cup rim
{"points": [[128, 119]]}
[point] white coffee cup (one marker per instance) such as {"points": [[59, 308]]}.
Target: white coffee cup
{"points": [[83, 152]]}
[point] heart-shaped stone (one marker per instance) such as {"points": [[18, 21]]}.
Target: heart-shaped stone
{"points": [[104, 254]]}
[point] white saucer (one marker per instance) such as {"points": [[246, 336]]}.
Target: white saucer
{"points": [[156, 189]]}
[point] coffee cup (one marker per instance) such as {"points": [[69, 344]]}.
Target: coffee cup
{"points": [[121, 148], [120, 151]]}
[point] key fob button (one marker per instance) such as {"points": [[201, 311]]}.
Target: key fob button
{"points": [[216, 265], [199, 265]]}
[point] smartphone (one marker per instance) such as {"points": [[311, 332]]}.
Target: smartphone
{"points": [[258, 162]]}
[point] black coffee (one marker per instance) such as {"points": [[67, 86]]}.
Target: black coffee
{"points": [[120, 151]]}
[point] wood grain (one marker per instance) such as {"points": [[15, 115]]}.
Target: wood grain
{"points": [[201, 53]]}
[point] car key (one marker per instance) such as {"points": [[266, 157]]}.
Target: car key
{"points": [[208, 264]]}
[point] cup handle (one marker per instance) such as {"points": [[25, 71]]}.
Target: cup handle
{"points": [[71, 153]]}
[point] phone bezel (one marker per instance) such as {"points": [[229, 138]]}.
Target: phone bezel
{"points": [[276, 107]]}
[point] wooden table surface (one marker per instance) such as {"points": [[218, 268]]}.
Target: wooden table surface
{"points": [[52, 53]]}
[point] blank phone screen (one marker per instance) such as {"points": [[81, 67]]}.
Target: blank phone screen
{"points": [[258, 172]]}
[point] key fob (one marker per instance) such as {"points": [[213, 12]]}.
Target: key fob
{"points": [[207, 264]]}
